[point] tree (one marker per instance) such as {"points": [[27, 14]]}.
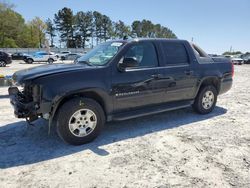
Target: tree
{"points": [[27, 38], [65, 21], [232, 53], [102, 27], [51, 31], [146, 28], [165, 33], [106, 28], [84, 26], [136, 29], [121, 30], [14, 32], [11, 23], [38, 28], [97, 25]]}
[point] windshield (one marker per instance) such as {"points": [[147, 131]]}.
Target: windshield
{"points": [[101, 54]]}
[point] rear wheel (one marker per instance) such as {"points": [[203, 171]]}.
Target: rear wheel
{"points": [[50, 60], [80, 121], [2, 63], [206, 100], [30, 61]]}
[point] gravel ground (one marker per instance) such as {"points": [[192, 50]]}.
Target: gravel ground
{"points": [[174, 149]]}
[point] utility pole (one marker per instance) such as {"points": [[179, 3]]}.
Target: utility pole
{"points": [[231, 48]]}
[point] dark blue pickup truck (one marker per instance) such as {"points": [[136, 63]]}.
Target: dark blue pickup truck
{"points": [[119, 80]]}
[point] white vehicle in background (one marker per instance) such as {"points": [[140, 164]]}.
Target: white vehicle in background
{"points": [[62, 54], [236, 60], [49, 57]]}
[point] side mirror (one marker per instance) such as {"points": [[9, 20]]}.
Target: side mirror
{"points": [[128, 62]]}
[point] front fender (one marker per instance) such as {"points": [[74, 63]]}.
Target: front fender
{"points": [[100, 95]]}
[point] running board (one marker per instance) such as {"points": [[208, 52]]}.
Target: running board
{"points": [[150, 110]]}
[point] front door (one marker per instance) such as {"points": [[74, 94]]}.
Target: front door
{"points": [[136, 87]]}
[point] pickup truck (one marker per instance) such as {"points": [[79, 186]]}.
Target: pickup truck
{"points": [[119, 80]]}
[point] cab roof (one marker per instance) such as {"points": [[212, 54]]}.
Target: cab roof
{"points": [[148, 39]]}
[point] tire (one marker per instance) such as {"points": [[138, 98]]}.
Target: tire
{"points": [[30, 61], [50, 61], [3, 63], [205, 100], [80, 110]]}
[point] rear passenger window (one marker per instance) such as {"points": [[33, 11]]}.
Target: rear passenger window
{"points": [[175, 53]]}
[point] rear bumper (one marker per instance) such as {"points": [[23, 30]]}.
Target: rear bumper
{"points": [[226, 85], [22, 109]]}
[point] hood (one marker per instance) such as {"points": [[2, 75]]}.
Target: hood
{"points": [[21, 76]]}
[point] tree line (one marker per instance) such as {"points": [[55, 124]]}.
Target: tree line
{"points": [[15, 32], [88, 27], [72, 30]]}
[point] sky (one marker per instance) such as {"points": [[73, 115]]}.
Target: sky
{"points": [[215, 25]]}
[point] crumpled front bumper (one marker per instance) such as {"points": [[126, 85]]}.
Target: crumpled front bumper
{"points": [[22, 108]]}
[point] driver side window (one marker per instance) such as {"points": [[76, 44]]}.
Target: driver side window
{"points": [[144, 53]]}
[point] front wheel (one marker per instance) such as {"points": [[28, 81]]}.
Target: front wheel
{"points": [[29, 61], [206, 100], [80, 121], [2, 63]]}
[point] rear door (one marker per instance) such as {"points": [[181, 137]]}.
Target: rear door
{"points": [[177, 72]]}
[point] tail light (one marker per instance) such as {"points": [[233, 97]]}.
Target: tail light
{"points": [[232, 69]]}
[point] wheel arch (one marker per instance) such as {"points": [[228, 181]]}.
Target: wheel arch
{"points": [[97, 96], [30, 58], [212, 80]]}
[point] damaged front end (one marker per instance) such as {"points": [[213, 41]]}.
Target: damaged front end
{"points": [[25, 101]]}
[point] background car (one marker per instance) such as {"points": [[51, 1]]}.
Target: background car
{"points": [[42, 57], [62, 54], [246, 58], [5, 59], [236, 60], [71, 56], [19, 56]]}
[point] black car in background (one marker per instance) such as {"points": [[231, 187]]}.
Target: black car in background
{"points": [[5, 59], [19, 56]]}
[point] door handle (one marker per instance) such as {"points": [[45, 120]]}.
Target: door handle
{"points": [[188, 72]]}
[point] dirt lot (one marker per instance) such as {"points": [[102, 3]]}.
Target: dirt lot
{"points": [[174, 149]]}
